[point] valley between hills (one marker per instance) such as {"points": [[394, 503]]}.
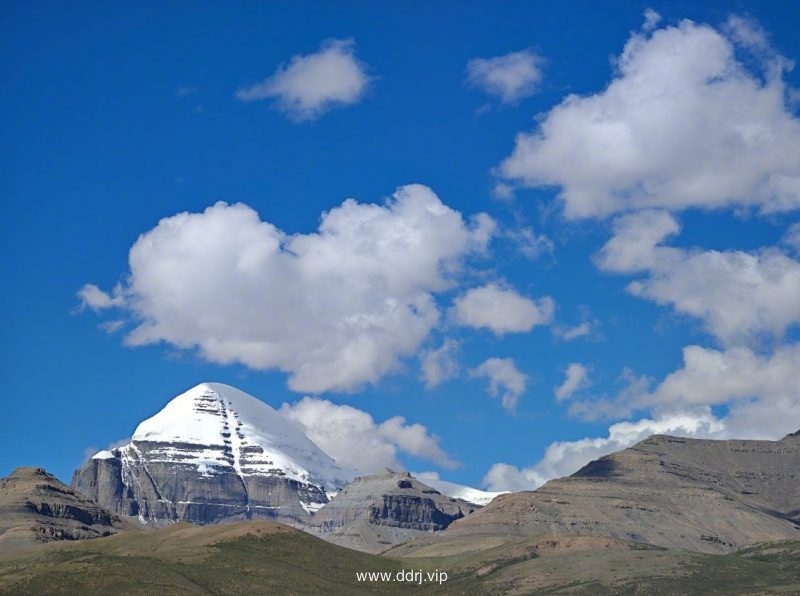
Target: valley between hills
{"points": [[218, 494]]}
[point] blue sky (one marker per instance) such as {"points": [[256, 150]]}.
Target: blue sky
{"points": [[490, 242]]}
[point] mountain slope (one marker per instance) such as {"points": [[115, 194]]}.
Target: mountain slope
{"points": [[36, 507], [253, 557], [701, 495], [213, 453], [381, 510], [261, 557]]}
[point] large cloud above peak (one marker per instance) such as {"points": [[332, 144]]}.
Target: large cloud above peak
{"points": [[335, 309], [353, 438], [683, 123]]}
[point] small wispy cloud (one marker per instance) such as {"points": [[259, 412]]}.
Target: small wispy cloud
{"points": [[511, 77], [313, 84], [93, 297], [576, 377], [440, 364], [505, 378]]}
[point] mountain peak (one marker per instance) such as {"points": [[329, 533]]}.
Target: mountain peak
{"points": [[30, 472], [218, 416], [213, 453]]}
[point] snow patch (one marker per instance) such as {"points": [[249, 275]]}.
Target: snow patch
{"points": [[458, 491]]}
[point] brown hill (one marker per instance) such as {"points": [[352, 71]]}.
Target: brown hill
{"points": [[381, 510], [692, 494], [36, 507]]}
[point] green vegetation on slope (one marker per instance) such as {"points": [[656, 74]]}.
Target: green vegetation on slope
{"points": [[267, 558], [248, 558]]}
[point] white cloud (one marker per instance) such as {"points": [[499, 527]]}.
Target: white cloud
{"points": [[567, 457], [502, 310], [440, 364], [683, 123], [511, 76], [353, 438], [737, 378], [335, 309], [651, 19], [314, 83], [792, 238], [529, 243], [569, 333], [746, 32], [576, 377], [739, 295], [93, 297], [111, 327], [711, 377], [503, 377], [761, 391]]}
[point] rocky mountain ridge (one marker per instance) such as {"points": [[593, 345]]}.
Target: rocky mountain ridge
{"points": [[36, 507], [693, 494]]}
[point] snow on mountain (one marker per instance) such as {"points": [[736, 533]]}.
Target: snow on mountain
{"points": [[213, 454], [457, 491], [227, 422]]}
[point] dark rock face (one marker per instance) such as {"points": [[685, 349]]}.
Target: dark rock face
{"points": [[376, 512], [701, 495], [412, 512], [36, 507]]}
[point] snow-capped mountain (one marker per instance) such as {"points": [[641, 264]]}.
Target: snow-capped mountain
{"points": [[458, 491], [212, 454], [239, 431]]}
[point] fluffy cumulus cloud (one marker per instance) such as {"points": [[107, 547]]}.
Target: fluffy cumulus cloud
{"points": [[738, 295], [576, 377], [504, 380], [511, 77], [353, 438], [313, 84], [761, 391], [335, 309], [440, 364], [502, 310], [694, 117]]}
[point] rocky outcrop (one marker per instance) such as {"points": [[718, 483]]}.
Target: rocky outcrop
{"points": [[158, 493], [376, 512], [36, 507], [700, 495], [212, 454]]}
